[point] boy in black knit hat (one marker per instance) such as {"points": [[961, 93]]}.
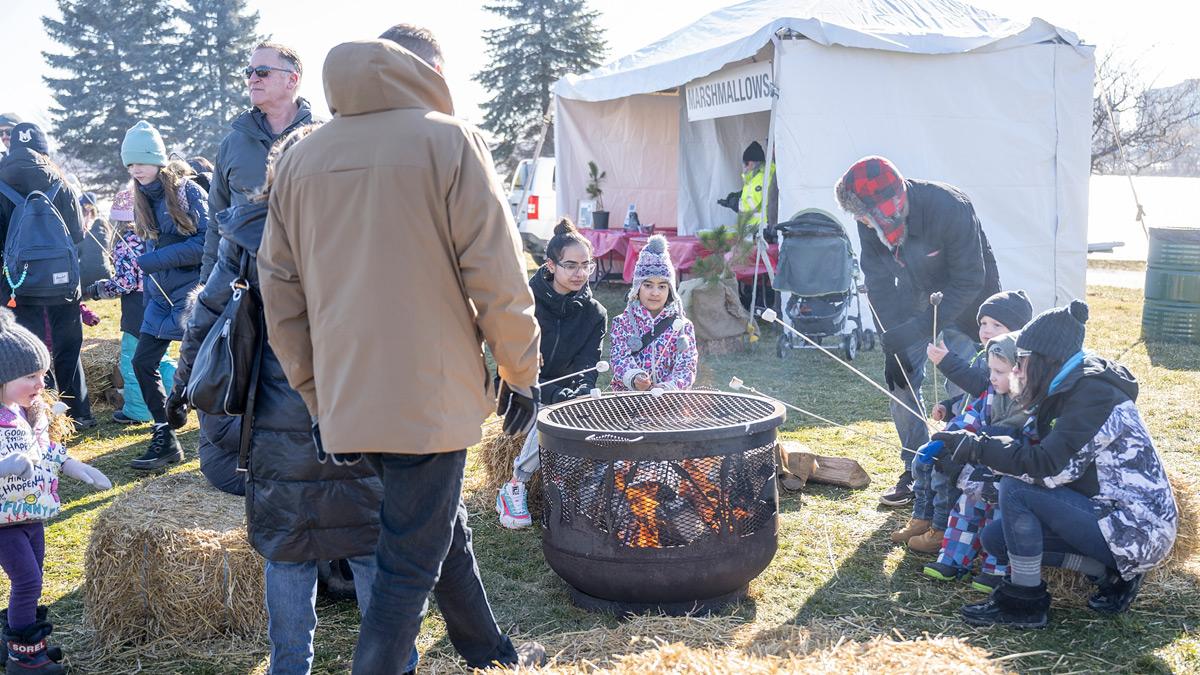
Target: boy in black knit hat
{"points": [[933, 493]]}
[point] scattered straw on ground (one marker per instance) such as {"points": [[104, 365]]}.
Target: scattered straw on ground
{"points": [[168, 566], [496, 453]]}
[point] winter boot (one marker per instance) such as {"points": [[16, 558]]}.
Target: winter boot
{"points": [[1115, 593], [915, 527], [943, 572], [1009, 605], [27, 651], [986, 582], [164, 449], [928, 542]]}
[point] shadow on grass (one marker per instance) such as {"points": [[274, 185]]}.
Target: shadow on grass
{"points": [[1174, 355]]}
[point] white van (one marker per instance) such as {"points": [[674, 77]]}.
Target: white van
{"points": [[537, 217]]}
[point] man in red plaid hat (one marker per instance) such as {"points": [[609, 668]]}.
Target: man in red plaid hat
{"points": [[918, 237]]}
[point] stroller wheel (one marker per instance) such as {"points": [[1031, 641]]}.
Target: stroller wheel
{"points": [[850, 346], [782, 345], [868, 339]]}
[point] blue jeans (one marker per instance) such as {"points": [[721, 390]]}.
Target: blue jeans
{"points": [[933, 495], [424, 547], [1048, 521], [291, 610]]}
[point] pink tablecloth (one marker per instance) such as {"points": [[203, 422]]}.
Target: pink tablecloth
{"points": [[686, 250], [605, 242]]}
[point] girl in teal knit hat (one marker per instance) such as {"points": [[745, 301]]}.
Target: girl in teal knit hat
{"points": [[171, 216]]}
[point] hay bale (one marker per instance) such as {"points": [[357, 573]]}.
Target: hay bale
{"points": [[496, 454], [100, 357], [168, 564], [1075, 588]]}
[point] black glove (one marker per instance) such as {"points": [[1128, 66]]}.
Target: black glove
{"points": [[177, 406], [962, 447], [568, 393], [895, 370], [92, 291], [917, 330], [343, 459], [518, 410], [731, 200]]}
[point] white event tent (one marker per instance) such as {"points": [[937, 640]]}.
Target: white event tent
{"points": [[1000, 108]]}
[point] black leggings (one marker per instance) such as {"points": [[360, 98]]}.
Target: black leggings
{"points": [[146, 358]]}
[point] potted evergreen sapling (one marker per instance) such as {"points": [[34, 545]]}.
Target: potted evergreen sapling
{"points": [[710, 297], [595, 177]]}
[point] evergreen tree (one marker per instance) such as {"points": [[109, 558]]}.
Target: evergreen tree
{"points": [[118, 68], [217, 38], [543, 41]]}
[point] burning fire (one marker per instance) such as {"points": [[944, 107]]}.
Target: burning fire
{"points": [[660, 513]]}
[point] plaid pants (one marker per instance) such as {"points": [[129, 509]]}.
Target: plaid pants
{"points": [[962, 544]]}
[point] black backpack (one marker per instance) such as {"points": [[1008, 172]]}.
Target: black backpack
{"points": [[40, 259]]}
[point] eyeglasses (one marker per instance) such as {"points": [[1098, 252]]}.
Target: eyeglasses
{"points": [[262, 71], [572, 267], [1023, 353]]}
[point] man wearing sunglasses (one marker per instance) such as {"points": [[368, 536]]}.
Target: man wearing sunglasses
{"points": [[273, 82], [272, 79]]}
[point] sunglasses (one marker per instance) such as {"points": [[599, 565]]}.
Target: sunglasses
{"points": [[262, 71]]}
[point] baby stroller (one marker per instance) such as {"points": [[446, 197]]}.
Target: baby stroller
{"points": [[818, 280]]}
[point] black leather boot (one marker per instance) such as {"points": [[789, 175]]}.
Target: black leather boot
{"points": [[164, 449], [1009, 605]]}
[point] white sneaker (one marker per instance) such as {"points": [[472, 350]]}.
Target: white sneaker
{"points": [[510, 504]]}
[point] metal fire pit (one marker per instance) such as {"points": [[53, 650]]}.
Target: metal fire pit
{"points": [[659, 503]]}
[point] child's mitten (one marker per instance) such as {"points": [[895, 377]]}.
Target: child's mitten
{"points": [[87, 474], [88, 317], [16, 464]]}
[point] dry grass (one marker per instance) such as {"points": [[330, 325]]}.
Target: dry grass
{"points": [[99, 357], [169, 567]]}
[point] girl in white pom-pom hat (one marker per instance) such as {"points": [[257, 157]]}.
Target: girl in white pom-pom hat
{"points": [[653, 344]]}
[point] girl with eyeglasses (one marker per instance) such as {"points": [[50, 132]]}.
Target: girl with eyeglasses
{"points": [[573, 324], [1083, 487]]}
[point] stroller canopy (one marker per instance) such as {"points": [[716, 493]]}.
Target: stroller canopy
{"points": [[815, 256]]}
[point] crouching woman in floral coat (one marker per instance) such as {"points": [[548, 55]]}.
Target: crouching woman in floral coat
{"points": [[1084, 488]]}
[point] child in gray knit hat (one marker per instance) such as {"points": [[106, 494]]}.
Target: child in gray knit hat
{"points": [[30, 464]]}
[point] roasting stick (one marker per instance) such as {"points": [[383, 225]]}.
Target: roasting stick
{"points": [[600, 367], [903, 371], [935, 299], [770, 316], [114, 261], [737, 384]]}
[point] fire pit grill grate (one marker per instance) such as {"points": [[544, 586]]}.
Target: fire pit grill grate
{"points": [[673, 411]]}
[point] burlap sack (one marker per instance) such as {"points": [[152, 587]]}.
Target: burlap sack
{"points": [[715, 310]]}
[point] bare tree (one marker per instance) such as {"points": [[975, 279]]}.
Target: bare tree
{"points": [[1155, 126]]}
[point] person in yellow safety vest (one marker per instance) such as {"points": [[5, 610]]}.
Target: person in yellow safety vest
{"points": [[753, 188]]}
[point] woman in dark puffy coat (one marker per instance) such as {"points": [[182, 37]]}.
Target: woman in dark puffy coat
{"points": [[300, 511], [573, 324]]}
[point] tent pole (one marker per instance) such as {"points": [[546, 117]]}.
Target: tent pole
{"points": [[760, 245]]}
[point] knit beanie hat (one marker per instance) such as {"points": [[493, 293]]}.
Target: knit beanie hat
{"points": [[654, 261], [87, 198], [29, 135], [1056, 333], [143, 145], [1004, 346], [754, 153], [122, 207], [1011, 308], [873, 187], [21, 353]]}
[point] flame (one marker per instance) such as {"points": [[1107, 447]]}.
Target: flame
{"points": [[643, 532]]}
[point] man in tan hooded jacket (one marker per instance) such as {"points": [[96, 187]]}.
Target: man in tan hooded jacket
{"points": [[389, 256]]}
